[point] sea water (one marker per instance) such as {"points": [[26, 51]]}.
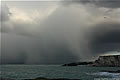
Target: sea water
{"points": [[19, 72]]}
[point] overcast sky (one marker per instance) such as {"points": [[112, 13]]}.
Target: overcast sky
{"points": [[51, 32]]}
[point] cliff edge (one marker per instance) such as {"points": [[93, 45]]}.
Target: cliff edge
{"points": [[107, 61]]}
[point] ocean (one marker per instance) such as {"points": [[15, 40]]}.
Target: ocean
{"points": [[20, 72]]}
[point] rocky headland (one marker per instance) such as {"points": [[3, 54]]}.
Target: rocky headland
{"points": [[102, 61], [78, 63], [107, 61]]}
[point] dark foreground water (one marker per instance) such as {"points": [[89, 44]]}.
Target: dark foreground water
{"points": [[56, 71]]}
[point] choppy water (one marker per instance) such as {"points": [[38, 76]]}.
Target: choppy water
{"points": [[56, 71]]}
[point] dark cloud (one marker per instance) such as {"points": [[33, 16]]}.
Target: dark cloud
{"points": [[98, 3], [105, 37]]}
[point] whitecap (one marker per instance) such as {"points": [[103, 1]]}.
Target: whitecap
{"points": [[114, 75]]}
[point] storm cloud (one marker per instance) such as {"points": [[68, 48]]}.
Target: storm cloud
{"points": [[98, 3], [57, 33], [105, 37]]}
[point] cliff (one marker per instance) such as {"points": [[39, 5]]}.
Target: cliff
{"points": [[102, 61], [107, 61]]}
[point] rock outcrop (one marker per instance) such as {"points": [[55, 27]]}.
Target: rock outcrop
{"points": [[107, 61], [77, 63], [102, 61]]}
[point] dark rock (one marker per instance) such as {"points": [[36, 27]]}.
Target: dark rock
{"points": [[78, 63], [107, 61], [70, 64], [102, 61], [85, 63]]}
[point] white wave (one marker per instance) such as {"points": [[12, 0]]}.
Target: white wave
{"points": [[114, 75]]}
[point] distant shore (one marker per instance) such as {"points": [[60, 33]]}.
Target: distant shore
{"points": [[102, 61]]}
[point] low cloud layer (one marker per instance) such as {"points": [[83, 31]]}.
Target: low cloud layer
{"points": [[58, 33]]}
